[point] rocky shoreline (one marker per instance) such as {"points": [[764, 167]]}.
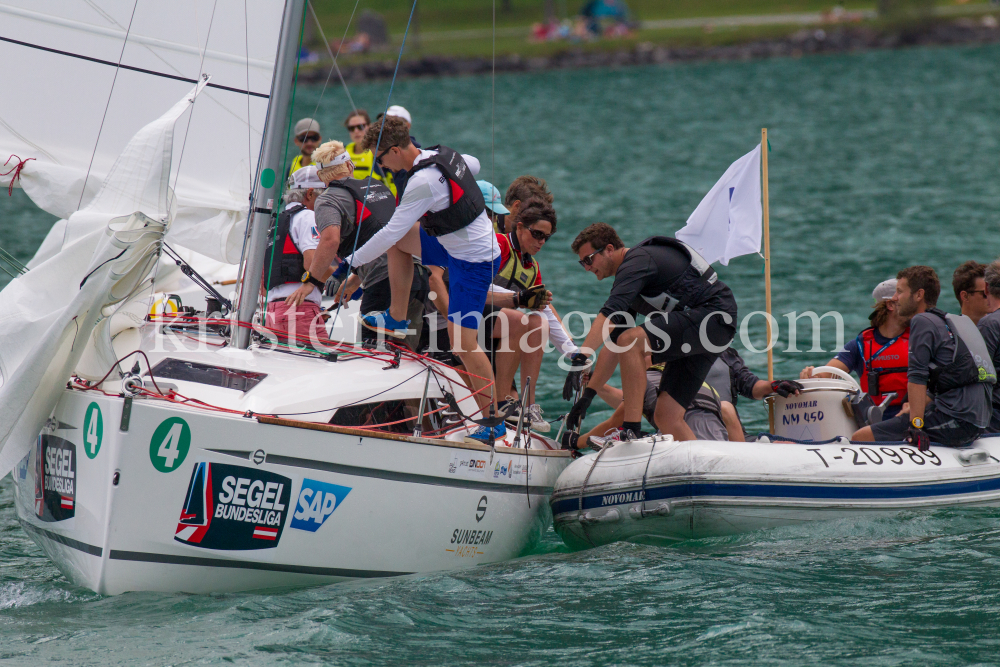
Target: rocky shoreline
{"points": [[816, 40]]}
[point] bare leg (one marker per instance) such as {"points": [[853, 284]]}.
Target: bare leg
{"points": [[476, 362], [864, 434], [633, 363], [614, 421], [400, 258], [532, 347], [669, 417]]}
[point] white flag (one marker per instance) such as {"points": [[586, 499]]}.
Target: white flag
{"points": [[727, 222]]}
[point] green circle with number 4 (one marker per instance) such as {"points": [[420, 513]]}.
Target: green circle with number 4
{"points": [[93, 430], [170, 444]]}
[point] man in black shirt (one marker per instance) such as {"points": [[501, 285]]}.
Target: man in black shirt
{"points": [[690, 320], [989, 327]]}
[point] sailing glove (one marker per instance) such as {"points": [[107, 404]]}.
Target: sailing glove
{"points": [[786, 388], [579, 410], [918, 438], [574, 379], [534, 298]]}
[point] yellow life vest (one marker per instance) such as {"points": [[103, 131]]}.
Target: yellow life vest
{"points": [[296, 164], [514, 275], [363, 167]]}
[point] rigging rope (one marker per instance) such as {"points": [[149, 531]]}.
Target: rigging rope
{"points": [[340, 46], [107, 105], [368, 183]]}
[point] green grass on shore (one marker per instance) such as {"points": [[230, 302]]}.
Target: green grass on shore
{"points": [[462, 28]]}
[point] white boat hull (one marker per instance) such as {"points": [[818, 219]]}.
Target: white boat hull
{"points": [[325, 504], [704, 489]]}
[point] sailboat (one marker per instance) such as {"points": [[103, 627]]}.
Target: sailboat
{"points": [[183, 449]]}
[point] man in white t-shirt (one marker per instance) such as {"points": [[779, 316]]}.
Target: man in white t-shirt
{"points": [[441, 212], [294, 244]]}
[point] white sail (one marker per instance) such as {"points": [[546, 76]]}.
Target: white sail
{"points": [[68, 106], [47, 315]]}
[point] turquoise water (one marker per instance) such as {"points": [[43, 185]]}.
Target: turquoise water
{"points": [[878, 161]]}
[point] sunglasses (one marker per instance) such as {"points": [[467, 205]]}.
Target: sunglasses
{"points": [[538, 235], [309, 137], [356, 128], [977, 291], [381, 155], [589, 259]]}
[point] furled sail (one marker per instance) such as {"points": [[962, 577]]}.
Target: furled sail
{"points": [[47, 315], [83, 77]]}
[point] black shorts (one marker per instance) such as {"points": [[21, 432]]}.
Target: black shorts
{"points": [[940, 428], [676, 341]]}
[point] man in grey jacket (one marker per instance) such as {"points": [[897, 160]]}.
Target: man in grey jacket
{"points": [[947, 384], [989, 327]]}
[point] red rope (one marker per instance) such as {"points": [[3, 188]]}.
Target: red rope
{"points": [[15, 170]]}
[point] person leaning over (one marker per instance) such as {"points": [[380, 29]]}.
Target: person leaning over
{"points": [[970, 289], [348, 213], [294, 244], [879, 355], [440, 206], [520, 190], [307, 138], [356, 124], [690, 320], [989, 327], [950, 374]]}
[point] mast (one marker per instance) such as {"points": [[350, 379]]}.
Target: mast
{"points": [[272, 156]]}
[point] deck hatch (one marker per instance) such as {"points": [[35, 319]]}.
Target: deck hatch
{"points": [[216, 376]]}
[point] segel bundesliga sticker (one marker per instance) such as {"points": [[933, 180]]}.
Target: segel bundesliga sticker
{"points": [[55, 479], [317, 501], [233, 508]]}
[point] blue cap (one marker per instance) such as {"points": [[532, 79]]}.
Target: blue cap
{"points": [[492, 197]]}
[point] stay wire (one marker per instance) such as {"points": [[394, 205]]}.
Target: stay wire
{"points": [[100, 129], [368, 183], [335, 66], [493, 155]]}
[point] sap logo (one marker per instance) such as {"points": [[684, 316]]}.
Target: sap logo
{"points": [[317, 501]]}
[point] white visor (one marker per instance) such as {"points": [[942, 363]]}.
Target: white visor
{"points": [[339, 159]]}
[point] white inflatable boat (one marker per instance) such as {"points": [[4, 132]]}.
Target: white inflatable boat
{"points": [[658, 490]]}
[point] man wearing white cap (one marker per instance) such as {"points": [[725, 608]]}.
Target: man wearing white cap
{"points": [[879, 356], [294, 244], [399, 176], [307, 137]]}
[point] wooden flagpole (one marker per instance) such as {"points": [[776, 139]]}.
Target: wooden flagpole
{"points": [[767, 269], [767, 253]]}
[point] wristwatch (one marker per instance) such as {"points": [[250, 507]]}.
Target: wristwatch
{"points": [[917, 422], [308, 278]]}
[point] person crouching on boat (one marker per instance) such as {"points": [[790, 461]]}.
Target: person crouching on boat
{"points": [[519, 191], [728, 379], [440, 205], [348, 213], [295, 243], [989, 327], [690, 320], [515, 339], [950, 374], [879, 356]]}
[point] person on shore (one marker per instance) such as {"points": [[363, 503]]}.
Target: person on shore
{"points": [[950, 374], [306, 137], [297, 239], [879, 356], [690, 320], [441, 211], [364, 162], [989, 327], [970, 290], [520, 190]]}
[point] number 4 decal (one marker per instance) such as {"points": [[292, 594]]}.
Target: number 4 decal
{"points": [[93, 430], [169, 445]]}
